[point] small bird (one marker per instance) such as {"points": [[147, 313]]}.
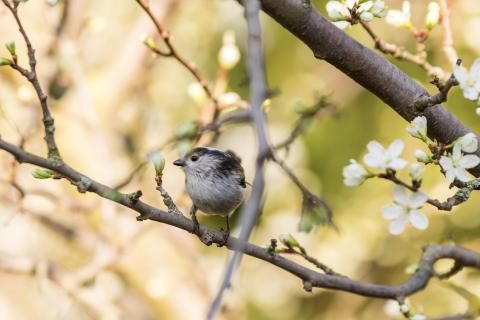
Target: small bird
{"points": [[215, 182]]}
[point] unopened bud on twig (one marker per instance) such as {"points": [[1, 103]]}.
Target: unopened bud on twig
{"points": [[288, 240], [11, 47], [42, 173], [5, 62], [158, 161]]}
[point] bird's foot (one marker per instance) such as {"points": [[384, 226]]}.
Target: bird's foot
{"points": [[196, 226], [226, 235]]}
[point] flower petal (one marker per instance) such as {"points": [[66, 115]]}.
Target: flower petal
{"points": [[457, 152], [450, 175], [475, 69], [375, 147], [418, 220], [397, 164], [462, 174], [417, 200], [396, 148], [342, 24], [398, 225], [470, 93], [446, 163], [469, 161], [392, 211], [374, 161], [400, 195], [461, 74]]}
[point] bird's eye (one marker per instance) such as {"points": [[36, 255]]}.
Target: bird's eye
{"points": [[194, 158]]}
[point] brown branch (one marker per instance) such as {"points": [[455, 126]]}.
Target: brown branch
{"points": [[401, 53], [32, 77], [417, 282], [429, 101], [303, 122], [458, 198], [172, 52], [365, 66], [448, 48]]}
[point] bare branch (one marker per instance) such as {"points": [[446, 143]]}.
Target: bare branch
{"points": [[192, 68], [32, 77], [448, 48], [258, 93]]}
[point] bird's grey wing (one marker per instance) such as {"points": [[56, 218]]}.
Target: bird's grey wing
{"points": [[234, 162]]}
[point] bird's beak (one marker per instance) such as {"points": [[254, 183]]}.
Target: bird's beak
{"points": [[179, 162]]}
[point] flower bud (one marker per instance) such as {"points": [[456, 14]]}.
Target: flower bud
{"points": [[186, 130], [433, 15], [158, 161], [288, 240], [11, 47], [422, 156], [404, 308], [416, 171], [149, 42], [229, 54], [41, 173], [5, 62], [418, 128], [228, 99], [197, 93]]}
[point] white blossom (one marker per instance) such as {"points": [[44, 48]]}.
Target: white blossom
{"points": [[381, 158], [456, 164], [229, 54], [421, 156], [399, 18], [337, 11], [477, 111], [342, 24], [433, 15], [405, 209], [416, 171], [468, 142], [418, 128], [354, 174], [418, 317], [340, 12], [378, 9], [469, 80]]}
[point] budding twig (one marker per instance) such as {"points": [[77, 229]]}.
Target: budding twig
{"points": [[426, 101], [173, 53], [419, 58], [31, 76]]}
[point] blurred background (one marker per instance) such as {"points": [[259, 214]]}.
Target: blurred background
{"points": [[65, 255]]}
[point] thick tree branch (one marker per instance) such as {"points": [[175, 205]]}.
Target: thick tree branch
{"points": [[366, 67]]}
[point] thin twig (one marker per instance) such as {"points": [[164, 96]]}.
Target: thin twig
{"points": [[458, 198], [303, 122], [448, 48], [427, 101], [172, 52], [401, 53], [31, 76]]}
